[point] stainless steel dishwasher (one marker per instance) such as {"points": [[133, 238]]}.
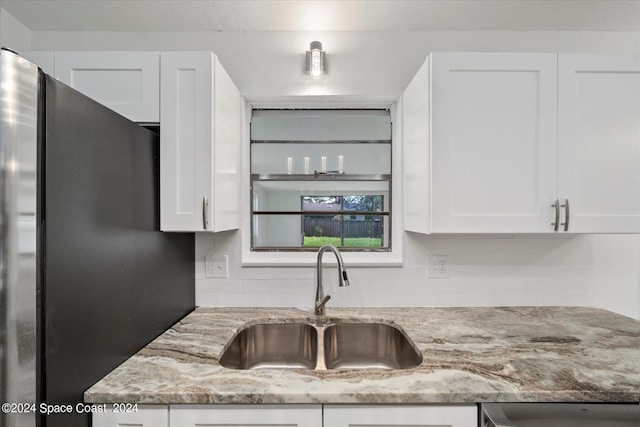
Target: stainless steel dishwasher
{"points": [[559, 415]]}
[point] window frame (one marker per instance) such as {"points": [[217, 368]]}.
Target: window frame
{"points": [[392, 258]]}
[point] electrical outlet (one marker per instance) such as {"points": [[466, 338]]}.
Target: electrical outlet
{"points": [[437, 266], [216, 266]]}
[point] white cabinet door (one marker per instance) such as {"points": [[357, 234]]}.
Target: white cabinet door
{"points": [[126, 82], [416, 151], [401, 415], [200, 148], [493, 147], [143, 416], [599, 142], [246, 415]]}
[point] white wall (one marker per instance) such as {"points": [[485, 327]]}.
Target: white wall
{"points": [[265, 65], [596, 270], [13, 34], [617, 287], [593, 270]]}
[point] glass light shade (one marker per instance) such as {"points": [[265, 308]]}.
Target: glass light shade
{"points": [[316, 61], [316, 64]]}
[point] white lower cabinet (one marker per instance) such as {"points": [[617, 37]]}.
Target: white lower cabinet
{"points": [[142, 416], [293, 416], [246, 415], [400, 415]]}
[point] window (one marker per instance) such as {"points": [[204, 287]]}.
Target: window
{"points": [[344, 221], [320, 176]]}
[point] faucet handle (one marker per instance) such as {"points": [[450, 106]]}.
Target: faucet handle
{"points": [[319, 310]]}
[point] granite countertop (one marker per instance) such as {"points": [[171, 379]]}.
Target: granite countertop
{"points": [[508, 354]]}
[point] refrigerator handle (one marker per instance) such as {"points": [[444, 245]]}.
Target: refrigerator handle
{"points": [[493, 416], [205, 212]]}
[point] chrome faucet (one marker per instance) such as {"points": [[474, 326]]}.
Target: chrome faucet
{"points": [[321, 299]]}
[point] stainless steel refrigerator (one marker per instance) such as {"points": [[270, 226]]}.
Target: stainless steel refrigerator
{"points": [[87, 278]]}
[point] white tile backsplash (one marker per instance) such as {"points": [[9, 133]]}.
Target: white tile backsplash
{"points": [[484, 270]]}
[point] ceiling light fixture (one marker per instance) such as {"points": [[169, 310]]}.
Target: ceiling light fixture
{"points": [[316, 61]]}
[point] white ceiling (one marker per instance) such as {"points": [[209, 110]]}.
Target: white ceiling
{"points": [[325, 15]]}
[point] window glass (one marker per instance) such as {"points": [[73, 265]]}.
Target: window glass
{"points": [[335, 188], [324, 221]]}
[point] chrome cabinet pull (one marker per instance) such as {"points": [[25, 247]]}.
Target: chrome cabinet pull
{"points": [[556, 224], [566, 214], [205, 212]]}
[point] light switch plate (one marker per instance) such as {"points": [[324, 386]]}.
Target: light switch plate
{"points": [[216, 266]]}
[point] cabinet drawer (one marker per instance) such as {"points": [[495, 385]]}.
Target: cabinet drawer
{"points": [[401, 415], [139, 416], [246, 415]]}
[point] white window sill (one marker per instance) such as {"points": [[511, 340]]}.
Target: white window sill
{"points": [[306, 259]]}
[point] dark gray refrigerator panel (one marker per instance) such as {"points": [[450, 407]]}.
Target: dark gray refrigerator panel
{"points": [[111, 281]]}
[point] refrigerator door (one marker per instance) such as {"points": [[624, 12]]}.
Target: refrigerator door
{"points": [[86, 277], [18, 262], [113, 282]]}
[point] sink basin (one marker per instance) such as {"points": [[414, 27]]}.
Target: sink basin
{"points": [[368, 346], [273, 346], [320, 347]]}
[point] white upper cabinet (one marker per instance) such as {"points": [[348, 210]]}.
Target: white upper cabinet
{"points": [[201, 136], [126, 82], [416, 151], [522, 143], [599, 142], [480, 143], [201, 125]]}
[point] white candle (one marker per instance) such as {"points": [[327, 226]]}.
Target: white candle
{"points": [[289, 165], [306, 165], [323, 162], [341, 164]]}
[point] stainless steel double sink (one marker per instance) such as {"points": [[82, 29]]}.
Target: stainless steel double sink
{"points": [[320, 347]]}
